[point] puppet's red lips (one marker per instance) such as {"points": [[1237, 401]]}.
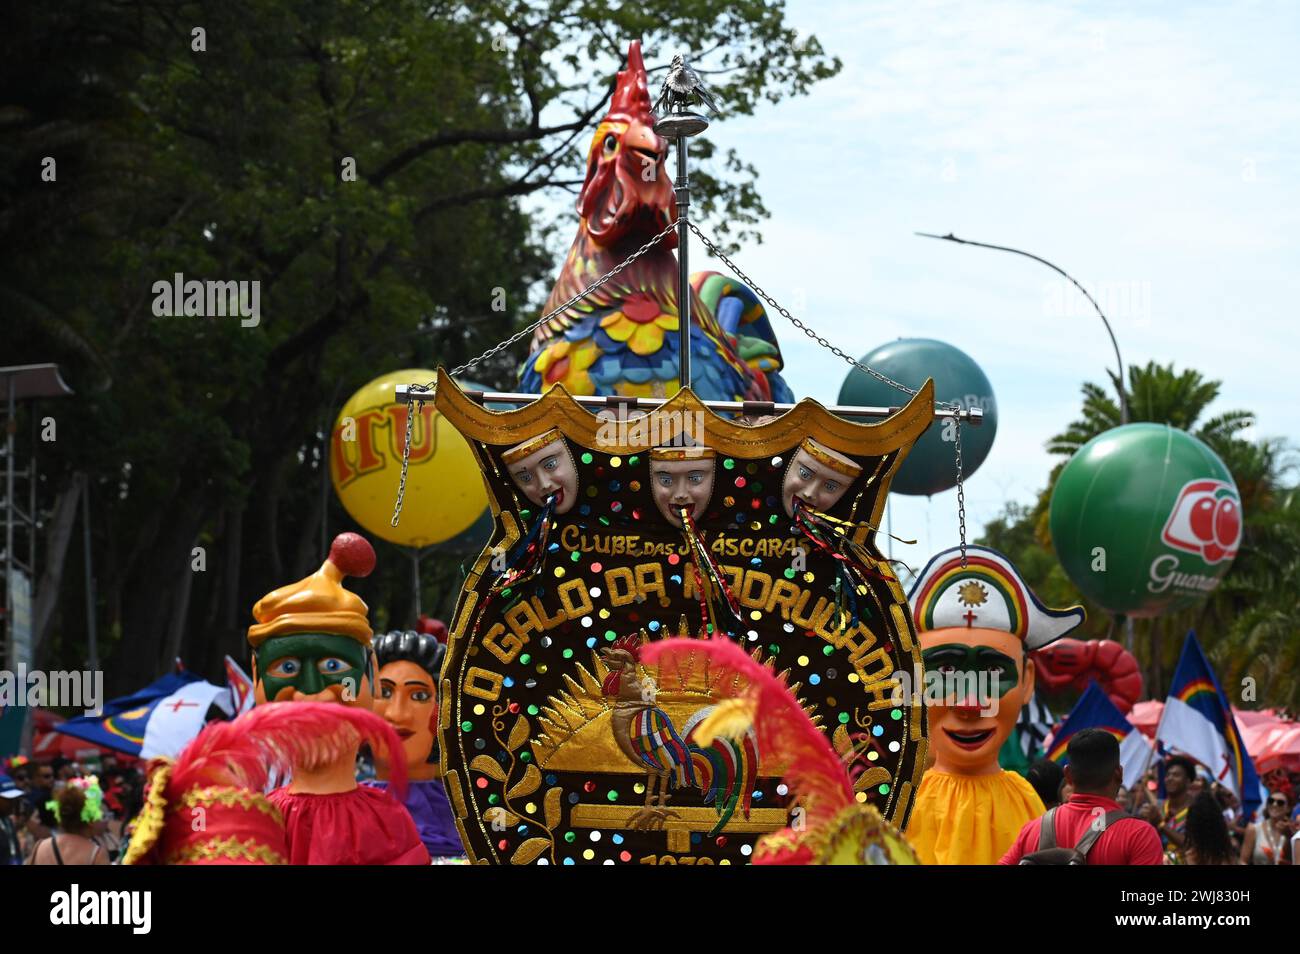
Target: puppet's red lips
{"points": [[404, 734], [969, 740], [558, 497]]}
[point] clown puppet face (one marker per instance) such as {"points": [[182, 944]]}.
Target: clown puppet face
{"points": [[407, 700], [313, 667], [678, 485], [817, 477], [976, 680], [547, 470]]}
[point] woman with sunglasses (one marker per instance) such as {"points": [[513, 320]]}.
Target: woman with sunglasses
{"points": [[1268, 840]]}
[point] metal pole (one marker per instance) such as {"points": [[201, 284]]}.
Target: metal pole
{"points": [[11, 425], [415, 579], [1123, 395], [91, 635], [683, 192], [403, 393]]}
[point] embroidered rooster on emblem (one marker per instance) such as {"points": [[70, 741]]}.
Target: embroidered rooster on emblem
{"points": [[725, 771], [623, 338]]}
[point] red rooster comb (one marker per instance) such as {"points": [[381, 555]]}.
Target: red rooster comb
{"points": [[631, 643], [632, 94]]}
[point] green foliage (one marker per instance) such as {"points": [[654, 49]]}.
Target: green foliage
{"points": [[228, 164], [1250, 626]]}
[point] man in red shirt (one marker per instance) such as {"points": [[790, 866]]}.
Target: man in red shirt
{"points": [[1095, 774]]}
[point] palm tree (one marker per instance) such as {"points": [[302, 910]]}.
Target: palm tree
{"points": [[1158, 394], [1241, 618]]}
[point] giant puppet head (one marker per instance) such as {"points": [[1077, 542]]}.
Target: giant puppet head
{"points": [[977, 625], [626, 183], [407, 699], [311, 642]]}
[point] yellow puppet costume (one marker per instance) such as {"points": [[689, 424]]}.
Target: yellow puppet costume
{"points": [[970, 819], [976, 622]]}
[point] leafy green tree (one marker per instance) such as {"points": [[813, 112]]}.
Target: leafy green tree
{"points": [[366, 162]]}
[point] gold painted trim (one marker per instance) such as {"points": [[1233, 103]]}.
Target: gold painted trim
{"points": [[682, 453], [556, 408], [845, 468], [688, 818], [516, 454]]}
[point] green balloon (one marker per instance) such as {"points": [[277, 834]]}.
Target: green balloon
{"points": [[1145, 519], [931, 467]]}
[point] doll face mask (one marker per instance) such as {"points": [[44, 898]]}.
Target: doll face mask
{"points": [[542, 467], [408, 702], [818, 476], [313, 667], [975, 683], [681, 479]]}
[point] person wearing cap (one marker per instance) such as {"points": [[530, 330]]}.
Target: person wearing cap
{"points": [[817, 476], [976, 625], [311, 643], [681, 478], [409, 665], [10, 845], [543, 467]]}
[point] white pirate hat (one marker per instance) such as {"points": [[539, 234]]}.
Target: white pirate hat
{"points": [[988, 593]]}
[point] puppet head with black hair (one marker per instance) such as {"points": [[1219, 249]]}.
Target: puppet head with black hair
{"points": [[407, 697]]}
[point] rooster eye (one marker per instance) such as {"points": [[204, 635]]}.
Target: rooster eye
{"points": [[611, 143]]}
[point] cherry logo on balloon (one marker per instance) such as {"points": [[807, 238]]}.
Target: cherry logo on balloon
{"points": [[1205, 520]]}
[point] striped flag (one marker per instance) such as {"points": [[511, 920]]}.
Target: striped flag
{"points": [[1197, 721], [1094, 710]]}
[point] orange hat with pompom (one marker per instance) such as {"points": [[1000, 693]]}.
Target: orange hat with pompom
{"points": [[319, 603]]}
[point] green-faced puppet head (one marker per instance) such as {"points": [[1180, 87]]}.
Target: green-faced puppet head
{"points": [[312, 638]]}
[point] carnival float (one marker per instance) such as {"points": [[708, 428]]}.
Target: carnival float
{"points": [[680, 643]]}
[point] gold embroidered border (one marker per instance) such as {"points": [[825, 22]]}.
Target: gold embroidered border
{"points": [[149, 823], [215, 849], [231, 798]]}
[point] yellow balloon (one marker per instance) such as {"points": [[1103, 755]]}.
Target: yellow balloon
{"points": [[444, 487]]}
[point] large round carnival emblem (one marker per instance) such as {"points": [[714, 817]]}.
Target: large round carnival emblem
{"points": [[561, 745]]}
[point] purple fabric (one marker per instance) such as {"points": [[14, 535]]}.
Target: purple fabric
{"points": [[427, 803]]}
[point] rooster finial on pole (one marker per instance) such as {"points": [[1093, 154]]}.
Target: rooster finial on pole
{"points": [[674, 119]]}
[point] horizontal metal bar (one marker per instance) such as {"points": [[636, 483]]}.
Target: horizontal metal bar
{"points": [[405, 395]]}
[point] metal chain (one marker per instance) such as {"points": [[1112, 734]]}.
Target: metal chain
{"points": [[718, 253], [961, 492], [568, 304], [955, 409], [496, 349]]}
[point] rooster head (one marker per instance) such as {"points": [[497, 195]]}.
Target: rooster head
{"points": [[627, 193]]}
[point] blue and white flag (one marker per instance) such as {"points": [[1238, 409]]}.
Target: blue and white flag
{"points": [[1094, 710], [159, 720], [1197, 721]]}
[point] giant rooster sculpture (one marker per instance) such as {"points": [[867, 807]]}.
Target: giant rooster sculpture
{"points": [[623, 338], [725, 770]]}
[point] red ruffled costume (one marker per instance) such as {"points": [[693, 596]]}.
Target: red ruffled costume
{"points": [[365, 826]]}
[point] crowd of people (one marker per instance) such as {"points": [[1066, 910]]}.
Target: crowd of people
{"points": [[1197, 821], [44, 818], [65, 812]]}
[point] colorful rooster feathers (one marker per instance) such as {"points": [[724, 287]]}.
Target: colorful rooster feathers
{"points": [[784, 732]]}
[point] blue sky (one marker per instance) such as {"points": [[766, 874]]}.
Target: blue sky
{"points": [[1151, 150], [1154, 154]]}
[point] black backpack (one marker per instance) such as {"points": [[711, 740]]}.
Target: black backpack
{"points": [[1049, 854]]}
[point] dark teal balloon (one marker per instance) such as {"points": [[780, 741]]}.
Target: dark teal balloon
{"points": [[931, 467]]}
